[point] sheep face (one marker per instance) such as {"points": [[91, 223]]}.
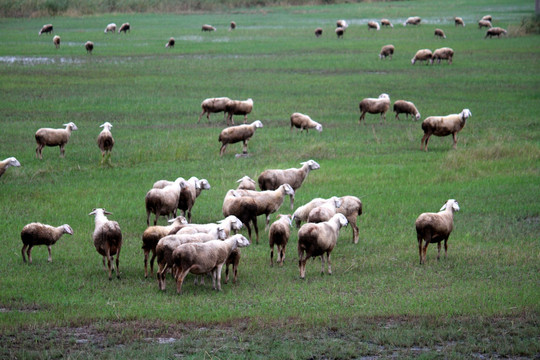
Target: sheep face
{"points": [[204, 184], [312, 165], [222, 235], [257, 123], [236, 224], [107, 125], [384, 96], [465, 114], [417, 116], [100, 211], [241, 240], [13, 162], [73, 126], [67, 229], [452, 204], [179, 219], [342, 219], [288, 189]]}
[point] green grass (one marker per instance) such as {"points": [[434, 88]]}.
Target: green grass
{"points": [[482, 299]]}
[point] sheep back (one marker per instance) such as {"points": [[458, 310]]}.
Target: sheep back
{"points": [[108, 236], [236, 134]]}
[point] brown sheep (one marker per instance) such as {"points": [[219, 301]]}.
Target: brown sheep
{"points": [[238, 107], [378, 105], [89, 46], [495, 31], [459, 21], [105, 141], [387, 51], [443, 126], [278, 235], [125, 27], [41, 234], [439, 33], [445, 53], [318, 32], [236, 134], [107, 238], [53, 137], [422, 55], [46, 29], [56, 41]]}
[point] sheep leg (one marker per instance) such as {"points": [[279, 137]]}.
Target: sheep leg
{"points": [[322, 264], [439, 250], [218, 276], [146, 263], [245, 119], [424, 249], [272, 255], [354, 229], [180, 280], [254, 221], [329, 263], [161, 276], [227, 273], [397, 116], [152, 262], [62, 150], [39, 154], [198, 121], [362, 117], [222, 150], [244, 149], [267, 223], [281, 254], [425, 140], [50, 255], [235, 271], [292, 200], [118, 263], [109, 263], [445, 247], [302, 263], [454, 137], [22, 252]]}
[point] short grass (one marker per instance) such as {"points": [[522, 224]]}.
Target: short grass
{"points": [[481, 300]]}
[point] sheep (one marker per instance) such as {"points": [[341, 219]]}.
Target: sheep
{"points": [[246, 183], [125, 27], [422, 55], [342, 24], [89, 46], [243, 208], [53, 137], [439, 33], [105, 141], [413, 20], [201, 258], [230, 223], [318, 32], [386, 22], [445, 53], [373, 25], [170, 43], [458, 21], [151, 237], [386, 50], [163, 201], [443, 126], [302, 121], [41, 234], [407, 108], [484, 23], [379, 105], [351, 207], [189, 194], [232, 26], [207, 27], [110, 28], [238, 107], [435, 227], [325, 211], [107, 238], [302, 213], [56, 41], [318, 239], [279, 234], [495, 31], [236, 134], [339, 32], [213, 105], [271, 179], [11, 161], [199, 185], [46, 29], [487, 17]]}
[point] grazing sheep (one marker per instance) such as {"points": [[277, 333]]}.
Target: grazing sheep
{"points": [[413, 20], [242, 207], [11, 161], [236, 134], [41, 234], [105, 141], [407, 108], [163, 202], [439, 33], [318, 32], [435, 227], [238, 107], [207, 27], [170, 43], [213, 105], [339, 32], [444, 53], [342, 24], [273, 178], [125, 27], [89, 46], [279, 234], [484, 23], [301, 121], [56, 41], [110, 28], [386, 22], [318, 239], [302, 213], [373, 25], [495, 31], [232, 26], [422, 55], [53, 137], [459, 21], [379, 105], [107, 238], [324, 211], [487, 17], [443, 126], [46, 29], [386, 50], [246, 183], [351, 207]]}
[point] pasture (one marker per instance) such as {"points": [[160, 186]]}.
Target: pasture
{"points": [[481, 301]]}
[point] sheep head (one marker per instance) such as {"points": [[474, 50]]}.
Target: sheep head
{"points": [[337, 201], [204, 184], [241, 240], [342, 219], [235, 223], [106, 125], [222, 235], [417, 116], [67, 229], [257, 124], [70, 124], [384, 96], [318, 127], [100, 211], [247, 178], [312, 164], [178, 220], [465, 114], [451, 204], [288, 189], [11, 161]]}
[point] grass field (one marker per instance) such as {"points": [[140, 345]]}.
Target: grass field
{"points": [[481, 301]]}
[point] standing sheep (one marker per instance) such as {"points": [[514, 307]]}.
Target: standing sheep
{"points": [[440, 34], [170, 43], [444, 53], [163, 202], [56, 41], [413, 20], [339, 32], [110, 28], [324, 211], [374, 106], [236, 134], [495, 31], [213, 105], [238, 107], [244, 208], [232, 26], [386, 22], [107, 238], [318, 32], [279, 234], [318, 239], [125, 27], [407, 108], [422, 55], [53, 137], [41, 234], [10, 161], [484, 23], [207, 27], [46, 29], [273, 178], [443, 126], [487, 18], [459, 21], [89, 46], [351, 207], [302, 212], [105, 141], [373, 25], [386, 51], [435, 227], [301, 121]]}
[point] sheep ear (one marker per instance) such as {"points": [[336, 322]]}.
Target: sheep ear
{"points": [[107, 212], [92, 212], [443, 207]]}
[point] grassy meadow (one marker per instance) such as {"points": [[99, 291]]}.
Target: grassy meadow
{"points": [[481, 301]]}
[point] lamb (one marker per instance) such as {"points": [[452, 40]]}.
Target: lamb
{"points": [[110, 28], [301, 121], [318, 239], [46, 29], [339, 32], [484, 23], [271, 179], [56, 41], [444, 53], [459, 21], [279, 234], [318, 32], [89, 46], [53, 137], [246, 183], [201, 258], [163, 201], [125, 27], [495, 31], [422, 55], [325, 211], [238, 107], [243, 208], [351, 207], [11, 161], [413, 20], [373, 25], [213, 105], [105, 141], [107, 238], [302, 213], [236, 134], [151, 237], [407, 108], [342, 24], [386, 22], [41, 234], [434, 228], [439, 33], [232, 26], [386, 50], [170, 43], [207, 27], [374, 106], [443, 126]]}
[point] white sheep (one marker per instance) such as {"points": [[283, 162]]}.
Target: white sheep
{"points": [[413, 20], [373, 25], [105, 141], [318, 239], [170, 43], [422, 55], [386, 51], [435, 228], [378, 105], [324, 211], [244, 208], [484, 23], [302, 121], [458, 21], [125, 27], [10, 161], [107, 238], [271, 179], [351, 207], [207, 27], [440, 33], [386, 22], [234, 134], [89, 46], [46, 29], [443, 126], [229, 224], [53, 137], [495, 31], [487, 17], [213, 105], [238, 107], [110, 28], [342, 24], [339, 32], [407, 108], [245, 183], [41, 234], [302, 212], [318, 32], [163, 202], [444, 53], [56, 41], [278, 235]]}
